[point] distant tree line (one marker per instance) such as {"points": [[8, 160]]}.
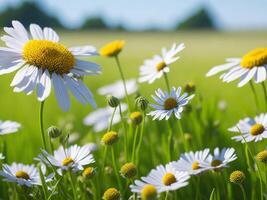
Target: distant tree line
{"points": [[31, 12]]}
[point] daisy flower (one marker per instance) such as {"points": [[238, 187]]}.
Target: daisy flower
{"points": [[169, 103], [112, 49], [193, 162], [42, 61], [23, 174], [2, 157], [144, 190], [165, 178], [251, 129], [220, 159], [253, 65], [117, 89], [101, 117], [74, 157], [154, 68], [7, 127]]}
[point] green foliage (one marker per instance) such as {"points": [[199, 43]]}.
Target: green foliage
{"points": [[95, 23]]}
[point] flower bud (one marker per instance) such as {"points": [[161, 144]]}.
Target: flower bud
{"points": [[111, 194], [190, 87], [142, 103], [128, 170], [110, 138], [237, 177], [113, 102], [88, 172], [54, 132], [262, 156], [136, 117]]}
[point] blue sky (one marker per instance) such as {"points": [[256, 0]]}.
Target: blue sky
{"points": [[164, 14]]}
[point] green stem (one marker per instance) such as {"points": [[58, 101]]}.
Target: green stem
{"points": [[72, 185], [115, 167], [265, 94], [134, 143], [166, 196], [111, 120], [170, 145], [42, 124], [123, 81], [255, 95], [44, 186], [243, 191], [167, 82], [125, 135], [180, 127], [104, 159], [141, 138]]}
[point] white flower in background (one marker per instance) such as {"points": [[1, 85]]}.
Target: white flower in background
{"points": [[193, 162], [250, 129], [252, 66], [166, 178], [23, 174], [169, 103], [101, 117], [117, 90], [220, 159], [2, 157], [74, 157], [7, 127], [154, 68], [41, 61]]}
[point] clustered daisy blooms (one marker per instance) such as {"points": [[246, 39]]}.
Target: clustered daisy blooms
{"points": [[21, 174], [154, 68], [253, 65], [251, 129], [7, 127], [42, 61], [73, 157], [169, 103]]}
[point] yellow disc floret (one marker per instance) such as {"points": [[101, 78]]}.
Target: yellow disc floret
{"points": [[168, 179], [110, 138], [112, 48], [262, 156], [149, 192], [48, 55], [136, 117], [22, 174], [256, 57], [88, 172], [160, 66], [195, 165], [237, 177], [67, 161], [128, 170], [111, 194], [170, 103], [216, 163], [257, 129]]}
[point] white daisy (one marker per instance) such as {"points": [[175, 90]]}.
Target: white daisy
{"points": [[2, 157], [165, 178], [154, 68], [220, 159], [144, 190], [117, 89], [252, 66], [101, 117], [169, 104], [23, 174], [193, 162], [251, 129], [74, 157], [41, 61], [7, 127]]}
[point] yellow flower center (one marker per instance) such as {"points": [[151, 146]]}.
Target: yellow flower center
{"points": [[195, 165], [262, 156], [136, 117], [170, 103], [48, 55], [111, 194], [110, 138], [112, 48], [88, 172], [216, 163], [22, 174], [160, 66], [254, 58], [257, 129], [149, 192], [67, 161], [168, 179]]}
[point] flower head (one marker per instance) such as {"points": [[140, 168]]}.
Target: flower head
{"points": [[110, 138], [154, 68], [23, 174], [136, 117], [128, 170], [169, 103], [237, 177], [262, 156], [74, 157], [111, 194], [145, 191], [42, 61], [112, 49], [88, 172], [251, 129], [253, 65], [7, 127]]}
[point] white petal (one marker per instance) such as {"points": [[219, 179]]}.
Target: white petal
{"points": [[36, 32], [50, 34], [44, 86], [83, 51], [247, 77]]}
